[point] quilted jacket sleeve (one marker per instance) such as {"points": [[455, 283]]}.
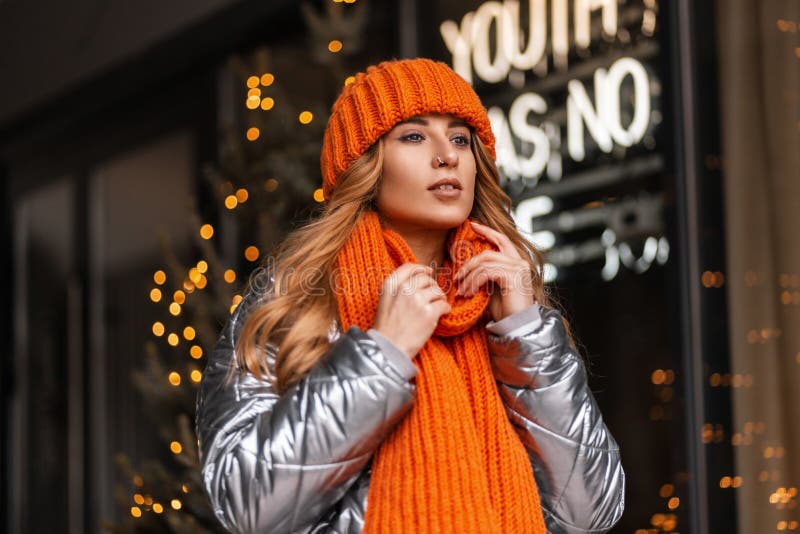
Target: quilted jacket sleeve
{"points": [[277, 463], [575, 459]]}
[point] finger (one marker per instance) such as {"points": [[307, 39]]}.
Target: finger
{"points": [[499, 239], [478, 259], [400, 277], [440, 307], [500, 272]]}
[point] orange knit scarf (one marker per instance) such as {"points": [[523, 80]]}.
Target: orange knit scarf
{"points": [[454, 463]]}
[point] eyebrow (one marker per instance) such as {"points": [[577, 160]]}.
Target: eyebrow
{"points": [[424, 122]]}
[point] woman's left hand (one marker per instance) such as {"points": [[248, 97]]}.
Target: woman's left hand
{"points": [[509, 272]]}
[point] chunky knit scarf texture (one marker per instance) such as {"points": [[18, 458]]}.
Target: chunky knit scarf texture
{"points": [[454, 463]]}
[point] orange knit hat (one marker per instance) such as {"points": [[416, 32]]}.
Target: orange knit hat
{"points": [[392, 92]]}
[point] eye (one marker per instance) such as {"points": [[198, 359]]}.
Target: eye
{"points": [[413, 137], [461, 140]]}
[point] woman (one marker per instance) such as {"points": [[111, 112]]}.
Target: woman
{"points": [[402, 369]]}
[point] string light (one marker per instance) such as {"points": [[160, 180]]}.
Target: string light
{"points": [[136, 511], [175, 309], [185, 488], [138, 499], [271, 185], [350, 80], [305, 117], [195, 275], [267, 103], [252, 102], [201, 283], [267, 79], [158, 328], [202, 266], [230, 276], [196, 376], [159, 277], [157, 508], [196, 352], [175, 447], [242, 195], [255, 92], [173, 339], [319, 195], [251, 253], [155, 294], [206, 232], [176, 504], [188, 333], [252, 81], [179, 296], [231, 202], [174, 378], [335, 46], [253, 133], [138, 481]]}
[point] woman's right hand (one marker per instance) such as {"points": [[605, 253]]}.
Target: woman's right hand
{"points": [[409, 308]]}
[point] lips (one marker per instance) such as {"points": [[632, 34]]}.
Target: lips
{"points": [[446, 184]]}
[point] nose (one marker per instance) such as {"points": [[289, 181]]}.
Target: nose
{"points": [[445, 158]]}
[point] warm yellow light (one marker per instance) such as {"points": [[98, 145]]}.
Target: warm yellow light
{"points": [[196, 376], [673, 503], [725, 482], [782, 525], [157, 508], [268, 103], [666, 490], [155, 294], [769, 452], [255, 92], [335, 46], [158, 328], [206, 231], [319, 195], [350, 80], [173, 339], [148, 500], [136, 511], [185, 488], [657, 519], [188, 333], [174, 378], [138, 499], [236, 299], [202, 282], [252, 102], [202, 266], [179, 296], [242, 195], [736, 482], [176, 504], [251, 253], [267, 79], [349, 1], [230, 276], [196, 352], [138, 481], [232, 308], [159, 277], [253, 133], [188, 286], [305, 117], [271, 185], [231, 202], [175, 447], [658, 376], [175, 308], [252, 81]]}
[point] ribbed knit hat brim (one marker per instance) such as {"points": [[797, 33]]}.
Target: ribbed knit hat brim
{"points": [[389, 93]]}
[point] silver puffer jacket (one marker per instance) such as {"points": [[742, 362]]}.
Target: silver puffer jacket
{"points": [[301, 461]]}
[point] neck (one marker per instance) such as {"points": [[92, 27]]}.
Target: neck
{"points": [[428, 245]]}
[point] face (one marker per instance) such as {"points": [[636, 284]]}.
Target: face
{"points": [[428, 177]]}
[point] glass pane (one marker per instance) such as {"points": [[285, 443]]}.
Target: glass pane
{"points": [[141, 208], [46, 427]]}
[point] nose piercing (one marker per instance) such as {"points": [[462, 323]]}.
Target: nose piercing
{"points": [[439, 160]]}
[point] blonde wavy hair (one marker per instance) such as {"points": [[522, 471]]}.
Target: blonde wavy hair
{"points": [[301, 309]]}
